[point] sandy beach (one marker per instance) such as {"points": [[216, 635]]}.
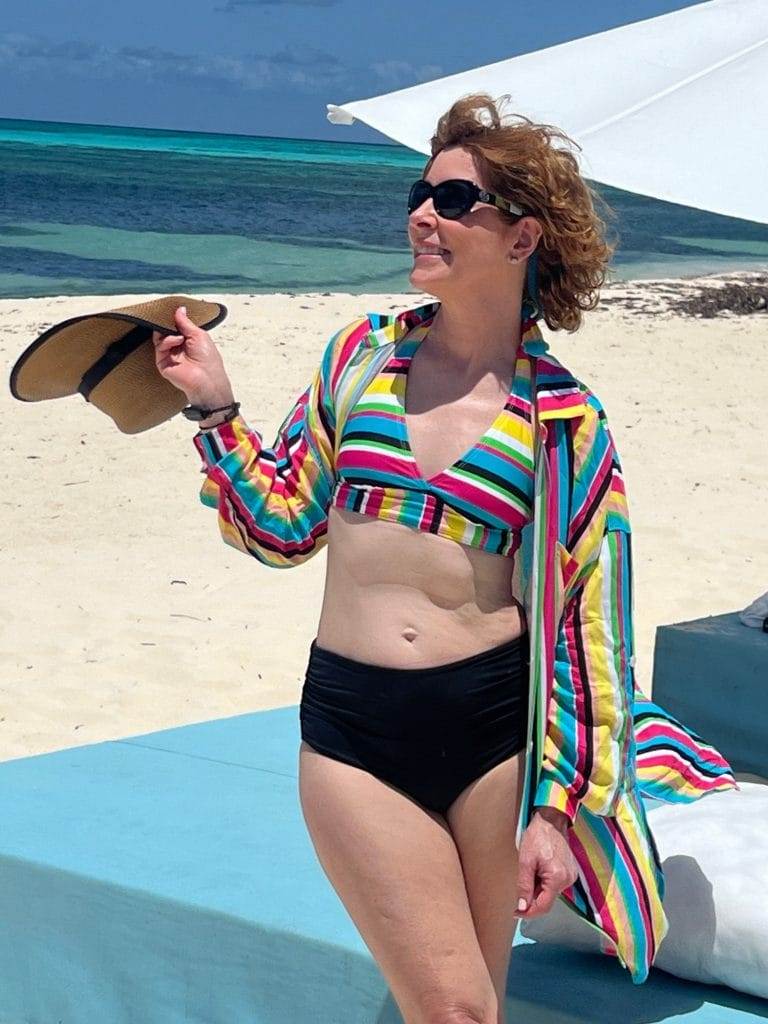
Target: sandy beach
{"points": [[124, 612]]}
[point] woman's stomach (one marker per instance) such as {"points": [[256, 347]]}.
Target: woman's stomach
{"points": [[402, 598]]}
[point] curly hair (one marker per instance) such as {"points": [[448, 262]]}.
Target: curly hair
{"points": [[519, 162]]}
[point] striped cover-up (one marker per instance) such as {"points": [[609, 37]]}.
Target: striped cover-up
{"points": [[483, 499], [596, 744]]}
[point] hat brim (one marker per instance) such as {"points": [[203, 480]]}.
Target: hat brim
{"points": [[54, 364]]}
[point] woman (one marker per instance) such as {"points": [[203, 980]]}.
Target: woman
{"points": [[467, 713]]}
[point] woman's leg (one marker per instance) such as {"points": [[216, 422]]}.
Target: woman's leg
{"points": [[483, 821], [396, 868]]}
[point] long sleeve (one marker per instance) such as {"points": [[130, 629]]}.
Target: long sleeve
{"points": [[589, 735], [589, 723], [273, 502]]}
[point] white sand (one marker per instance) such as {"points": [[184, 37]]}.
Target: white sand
{"points": [[124, 612]]}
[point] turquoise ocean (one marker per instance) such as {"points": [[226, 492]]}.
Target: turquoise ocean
{"points": [[99, 210]]}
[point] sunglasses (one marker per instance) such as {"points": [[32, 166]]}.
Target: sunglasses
{"points": [[455, 197]]}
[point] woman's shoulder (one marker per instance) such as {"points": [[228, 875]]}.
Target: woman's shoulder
{"points": [[342, 345], [595, 447], [562, 393], [367, 333], [594, 453]]}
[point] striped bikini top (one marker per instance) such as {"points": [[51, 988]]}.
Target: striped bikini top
{"points": [[483, 500]]}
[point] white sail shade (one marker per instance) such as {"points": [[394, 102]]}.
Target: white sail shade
{"points": [[674, 107]]}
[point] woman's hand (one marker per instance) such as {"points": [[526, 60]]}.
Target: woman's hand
{"points": [[192, 363], [546, 864]]}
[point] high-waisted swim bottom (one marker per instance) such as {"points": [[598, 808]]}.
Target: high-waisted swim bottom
{"points": [[429, 732]]}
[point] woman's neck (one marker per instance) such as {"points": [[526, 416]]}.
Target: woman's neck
{"points": [[476, 337]]}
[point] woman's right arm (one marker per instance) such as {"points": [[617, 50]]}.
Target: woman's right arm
{"points": [[273, 502]]}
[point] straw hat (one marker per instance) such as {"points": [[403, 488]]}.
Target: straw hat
{"points": [[109, 358]]}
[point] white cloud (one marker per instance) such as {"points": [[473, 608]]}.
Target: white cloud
{"points": [[398, 74], [301, 67]]}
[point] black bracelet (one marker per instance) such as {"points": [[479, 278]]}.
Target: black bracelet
{"points": [[197, 413], [230, 416]]}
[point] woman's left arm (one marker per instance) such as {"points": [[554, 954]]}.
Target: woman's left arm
{"points": [[590, 713], [589, 724]]}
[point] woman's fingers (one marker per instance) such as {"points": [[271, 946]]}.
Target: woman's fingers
{"points": [[162, 342], [543, 899], [546, 867]]}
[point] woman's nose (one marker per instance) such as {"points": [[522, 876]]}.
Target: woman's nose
{"points": [[424, 212]]}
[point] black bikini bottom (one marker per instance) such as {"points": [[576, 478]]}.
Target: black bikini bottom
{"points": [[429, 732]]}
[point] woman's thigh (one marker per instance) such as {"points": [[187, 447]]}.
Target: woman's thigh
{"points": [[396, 868], [483, 821]]}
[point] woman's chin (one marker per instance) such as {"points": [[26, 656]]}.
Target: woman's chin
{"points": [[420, 276]]}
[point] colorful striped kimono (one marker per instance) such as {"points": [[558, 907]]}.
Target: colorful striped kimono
{"points": [[595, 743]]}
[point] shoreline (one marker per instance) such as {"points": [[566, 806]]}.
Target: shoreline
{"points": [[129, 614], [621, 291]]}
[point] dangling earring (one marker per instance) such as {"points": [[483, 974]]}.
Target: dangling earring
{"points": [[531, 309]]}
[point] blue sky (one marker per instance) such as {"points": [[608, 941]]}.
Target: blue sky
{"points": [[263, 67]]}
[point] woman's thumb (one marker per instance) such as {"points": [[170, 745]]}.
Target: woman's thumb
{"points": [[181, 316]]}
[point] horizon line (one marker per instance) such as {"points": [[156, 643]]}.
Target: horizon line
{"points": [[185, 131]]}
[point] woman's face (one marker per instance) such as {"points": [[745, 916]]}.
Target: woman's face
{"points": [[478, 244]]}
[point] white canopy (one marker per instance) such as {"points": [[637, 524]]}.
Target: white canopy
{"points": [[674, 107]]}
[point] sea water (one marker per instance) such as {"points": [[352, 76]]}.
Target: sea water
{"points": [[101, 210]]}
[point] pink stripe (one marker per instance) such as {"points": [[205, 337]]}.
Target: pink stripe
{"points": [[251, 524], [551, 520], [347, 349], [378, 414], [362, 458], [628, 855], [374, 502], [559, 402], [481, 499], [509, 459], [592, 885], [677, 764], [656, 730]]}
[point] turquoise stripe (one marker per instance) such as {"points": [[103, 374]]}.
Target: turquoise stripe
{"points": [[623, 881]]}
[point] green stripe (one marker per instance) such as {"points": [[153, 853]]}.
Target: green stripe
{"points": [[512, 452]]}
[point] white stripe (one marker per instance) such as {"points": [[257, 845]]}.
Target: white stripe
{"points": [[361, 446], [687, 768], [521, 447]]}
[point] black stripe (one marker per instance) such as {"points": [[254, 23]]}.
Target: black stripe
{"points": [[437, 514], [605, 483], [485, 474], [590, 911], [588, 719], [372, 435], [629, 856], [557, 385], [330, 432], [694, 762], [287, 550]]}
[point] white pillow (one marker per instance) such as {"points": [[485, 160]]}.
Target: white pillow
{"points": [[714, 853]]}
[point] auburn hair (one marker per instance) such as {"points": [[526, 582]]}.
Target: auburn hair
{"points": [[519, 161]]}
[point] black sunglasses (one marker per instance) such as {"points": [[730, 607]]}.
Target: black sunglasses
{"points": [[455, 197]]}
